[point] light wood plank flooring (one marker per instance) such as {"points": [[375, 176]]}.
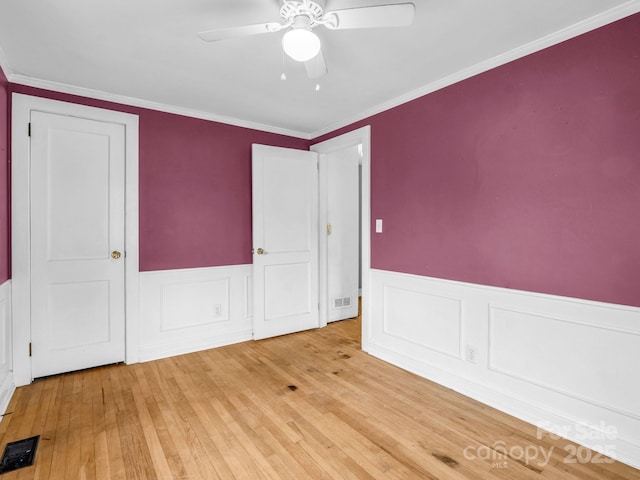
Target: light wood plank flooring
{"points": [[304, 406]]}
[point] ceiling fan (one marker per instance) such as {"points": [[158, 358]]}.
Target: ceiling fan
{"points": [[300, 17]]}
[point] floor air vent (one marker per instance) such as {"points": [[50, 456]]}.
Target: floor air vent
{"points": [[18, 454]]}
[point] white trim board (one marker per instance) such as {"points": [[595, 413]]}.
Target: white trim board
{"points": [[551, 361], [157, 106], [7, 384], [192, 309], [22, 105]]}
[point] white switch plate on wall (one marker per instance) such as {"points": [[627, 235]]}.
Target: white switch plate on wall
{"points": [[378, 225]]}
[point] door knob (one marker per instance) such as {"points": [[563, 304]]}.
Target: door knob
{"points": [[115, 254], [260, 251]]}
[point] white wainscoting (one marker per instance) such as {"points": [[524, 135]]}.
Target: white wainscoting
{"points": [[567, 365], [187, 310], [7, 384]]}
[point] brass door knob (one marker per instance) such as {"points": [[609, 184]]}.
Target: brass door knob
{"points": [[260, 251], [115, 254]]}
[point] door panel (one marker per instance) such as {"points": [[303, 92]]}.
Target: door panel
{"points": [[70, 304], [68, 156], [77, 220], [285, 240], [286, 208], [343, 242], [288, 283]]}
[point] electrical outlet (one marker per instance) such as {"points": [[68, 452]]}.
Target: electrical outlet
{"points": [[472, 354], [217, 310]]}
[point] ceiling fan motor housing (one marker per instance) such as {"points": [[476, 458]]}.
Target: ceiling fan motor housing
{"points": [[301, 21], [299, 17], [312, 10]]}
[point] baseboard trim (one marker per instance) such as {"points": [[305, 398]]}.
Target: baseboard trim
{"points": [[170, 350], [189, 310], [536, 415], [7, 389], [7, 381], [526, 344]]}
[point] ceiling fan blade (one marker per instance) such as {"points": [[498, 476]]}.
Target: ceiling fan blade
{"points": [[316, 67], [243, 31], [393, 15]]}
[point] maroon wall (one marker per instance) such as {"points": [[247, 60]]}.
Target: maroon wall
{"points": [[5, 254], [526, 176], [195, 186], [195, 191]]}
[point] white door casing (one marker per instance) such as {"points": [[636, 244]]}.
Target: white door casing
{"points": [[77, 221], [355, 137], [285, 240], [24, 107], [343, 236]]}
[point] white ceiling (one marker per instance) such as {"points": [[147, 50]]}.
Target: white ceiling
{"points": [[147, 53]]}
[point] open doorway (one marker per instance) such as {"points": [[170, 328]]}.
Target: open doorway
{"points": [[340, 227], [344, 164]]}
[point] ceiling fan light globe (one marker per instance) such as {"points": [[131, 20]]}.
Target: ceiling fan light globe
{"points": [[301, 44]]}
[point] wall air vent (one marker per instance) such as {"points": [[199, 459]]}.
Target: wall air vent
{"points": [[342, 302]]}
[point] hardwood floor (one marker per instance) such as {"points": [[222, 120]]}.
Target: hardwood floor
{"points": [[305, 406]]}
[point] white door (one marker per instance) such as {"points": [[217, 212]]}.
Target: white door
{"points": [[285, 240], [77, 243], [343, 232]]}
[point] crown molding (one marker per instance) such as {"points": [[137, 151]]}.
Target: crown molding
{"points": [[584, 26], [4, 65], [136, 102], [621, 11]]}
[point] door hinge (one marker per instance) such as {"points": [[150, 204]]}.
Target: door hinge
{"points": [[29, 129], [30, 349]]}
